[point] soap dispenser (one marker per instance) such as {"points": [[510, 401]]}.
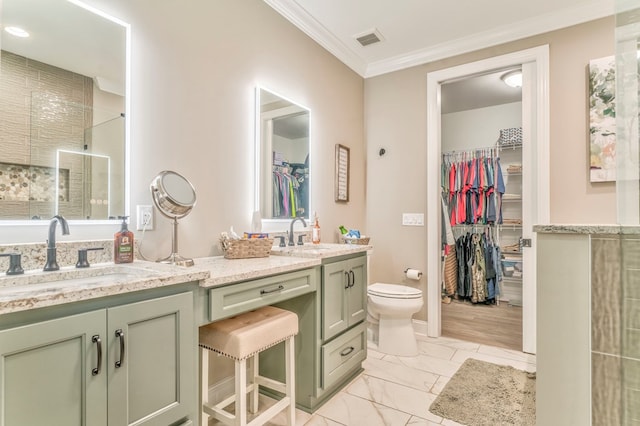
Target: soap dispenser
{"points": [[315, 230], [123, 243]]}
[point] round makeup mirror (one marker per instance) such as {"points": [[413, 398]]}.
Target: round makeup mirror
{"points": [[174, 196]]}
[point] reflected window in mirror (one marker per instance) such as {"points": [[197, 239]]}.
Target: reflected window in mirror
{"points": [[282, 150], [63, 104]]}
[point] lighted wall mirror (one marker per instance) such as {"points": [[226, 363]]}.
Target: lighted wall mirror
{"points": [[63, 112], [282, 158]]}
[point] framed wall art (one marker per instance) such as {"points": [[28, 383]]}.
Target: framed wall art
{"points": [[602, 119], [342, 173]]}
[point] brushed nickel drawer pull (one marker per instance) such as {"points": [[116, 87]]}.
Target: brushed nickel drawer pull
{"points": [[280, 288], [96, 339], [347, 351], [120, 334]]}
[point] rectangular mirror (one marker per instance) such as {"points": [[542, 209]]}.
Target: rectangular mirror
{"points": [[62, 111], [282, 157]]}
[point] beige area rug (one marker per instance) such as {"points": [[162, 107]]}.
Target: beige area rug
{"points": [[481, 393]]}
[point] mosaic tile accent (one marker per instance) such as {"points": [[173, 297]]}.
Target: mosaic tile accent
{"points": [[25, 183]]}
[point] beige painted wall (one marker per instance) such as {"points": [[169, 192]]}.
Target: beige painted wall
{"points": [[195, 66], [395, 117]]}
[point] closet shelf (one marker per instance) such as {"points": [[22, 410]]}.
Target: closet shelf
{"points": [[509, 147]]}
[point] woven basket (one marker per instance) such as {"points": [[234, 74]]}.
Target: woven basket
{"points": [[247, 248], [358, 241]]}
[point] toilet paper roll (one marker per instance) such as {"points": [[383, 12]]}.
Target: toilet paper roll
{"points": [[413, 274]]}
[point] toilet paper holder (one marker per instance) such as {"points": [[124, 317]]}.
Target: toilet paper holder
{"points": [[413, 274]]}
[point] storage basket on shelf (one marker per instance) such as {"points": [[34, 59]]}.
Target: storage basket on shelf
{"points": [[362, 241], [246, 248]]}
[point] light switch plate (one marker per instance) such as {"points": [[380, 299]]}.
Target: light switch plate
{"points": [[413, 219]]}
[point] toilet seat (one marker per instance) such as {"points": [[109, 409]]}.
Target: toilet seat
{"points": [[394, 291]]}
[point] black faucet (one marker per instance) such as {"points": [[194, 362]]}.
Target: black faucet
{"points": [[52, 263], [291, 229]]}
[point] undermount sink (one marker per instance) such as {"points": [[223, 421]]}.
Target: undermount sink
{"points": [[79, 276]]}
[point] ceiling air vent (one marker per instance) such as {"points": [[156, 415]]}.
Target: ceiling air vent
{"points": [[369, 37]]}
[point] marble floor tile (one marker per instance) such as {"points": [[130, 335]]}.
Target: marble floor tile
{"points": [[448, 422], [264, 402], [435, 350], [461, 356], [428, 363], [398, 373], [453, 343], [372, 353], [318, 420], [417, 421], [439, 385], [397, 391], [393, 395], [352, 410], [507, 353]]}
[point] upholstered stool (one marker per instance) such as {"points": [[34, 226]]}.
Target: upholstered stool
{"points": [[241, 338]]}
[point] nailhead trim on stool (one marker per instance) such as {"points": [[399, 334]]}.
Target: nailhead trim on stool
{"points": [[240, 338]]}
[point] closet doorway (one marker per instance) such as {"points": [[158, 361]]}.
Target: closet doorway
{"points": [[533, 184], [481, 143]]}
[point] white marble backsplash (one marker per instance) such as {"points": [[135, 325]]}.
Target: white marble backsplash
{"points": [[34, 255]]}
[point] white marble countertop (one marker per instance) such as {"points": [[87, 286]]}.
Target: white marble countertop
{"points": [[319, 251], [587, 229], [224, 271], [38, 289]]}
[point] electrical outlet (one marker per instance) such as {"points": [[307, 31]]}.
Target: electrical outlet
{"points": [[144, 218]]}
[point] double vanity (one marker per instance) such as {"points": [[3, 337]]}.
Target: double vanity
{"points": [[117, 344]]}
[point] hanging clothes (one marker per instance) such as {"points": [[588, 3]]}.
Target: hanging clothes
{"points": [[479, 274], [286, 198], [472, 183]]}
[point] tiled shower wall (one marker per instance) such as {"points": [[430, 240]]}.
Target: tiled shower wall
{"points": [[44, 108], [615, 330]]}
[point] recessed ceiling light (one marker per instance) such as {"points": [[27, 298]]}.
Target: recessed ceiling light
{"points": [[17, 31], [512, 78]]}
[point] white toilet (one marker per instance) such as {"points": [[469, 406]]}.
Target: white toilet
{"points": [[390, 307]]}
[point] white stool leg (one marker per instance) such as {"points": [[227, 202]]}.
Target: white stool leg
{"points": [[241, 392], [253, 396], [290, 367], [204, 385]]}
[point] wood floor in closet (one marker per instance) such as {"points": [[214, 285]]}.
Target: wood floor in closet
{"points": [[495, 325]]}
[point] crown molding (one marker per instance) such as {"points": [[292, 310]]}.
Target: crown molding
{"points": [[298, 16]]}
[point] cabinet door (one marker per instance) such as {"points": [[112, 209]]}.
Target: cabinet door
{"points": [[46, 372], [156, 382], [334, 301], [357, 293]]}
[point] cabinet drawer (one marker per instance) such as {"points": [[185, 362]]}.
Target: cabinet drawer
{"points": [[242, 297], [342, 355]]}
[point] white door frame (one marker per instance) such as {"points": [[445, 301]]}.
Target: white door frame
{"points": [[535, 127]]}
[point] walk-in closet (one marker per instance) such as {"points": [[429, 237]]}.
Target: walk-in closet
{"points": [[482, 210]]}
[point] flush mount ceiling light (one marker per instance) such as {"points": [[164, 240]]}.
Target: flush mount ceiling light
{"points": [[512, 78], [16, 31]]}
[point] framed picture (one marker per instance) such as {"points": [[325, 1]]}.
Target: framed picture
{"points": [[602, 119], [342, 173]]}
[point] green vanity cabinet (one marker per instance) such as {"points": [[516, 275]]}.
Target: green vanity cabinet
{"points": [[344, 295], [62, 371], [331, 343], [46, 372]]}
